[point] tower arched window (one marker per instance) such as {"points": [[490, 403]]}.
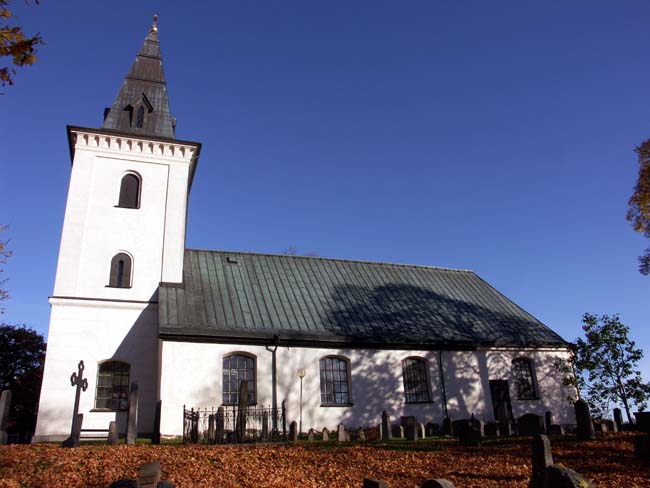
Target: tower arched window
{"points": [[416, 380], [112, 391], [238, 367], [121, 268], [522, 369], [129, 191]]}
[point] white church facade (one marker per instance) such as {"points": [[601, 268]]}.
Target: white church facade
{"points": [[188, 326]]}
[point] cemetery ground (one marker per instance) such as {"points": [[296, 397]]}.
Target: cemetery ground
{"points": [[608, 461]]}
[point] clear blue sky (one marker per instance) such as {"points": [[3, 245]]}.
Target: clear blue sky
{"points": [[494, 136]]}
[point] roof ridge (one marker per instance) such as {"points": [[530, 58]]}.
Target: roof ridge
{"points": [[383, 263]]}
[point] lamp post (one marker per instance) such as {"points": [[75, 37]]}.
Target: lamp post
{"points": [[301, 375]]}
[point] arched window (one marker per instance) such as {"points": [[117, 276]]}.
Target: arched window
{"points": [[129, 191], [238, 367], [416, 380], [334, 381], [522, 369], [139, 122], [121, 266], [112, 391]]}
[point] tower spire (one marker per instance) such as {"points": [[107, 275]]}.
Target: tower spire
{"points": [[141, 106]]}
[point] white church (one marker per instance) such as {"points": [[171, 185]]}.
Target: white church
{"points": [[188, 326]]}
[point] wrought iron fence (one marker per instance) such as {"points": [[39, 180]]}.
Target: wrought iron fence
{"points": [[232, 424]]}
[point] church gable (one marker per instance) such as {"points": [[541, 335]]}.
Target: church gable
{"points": [[250, 297]]}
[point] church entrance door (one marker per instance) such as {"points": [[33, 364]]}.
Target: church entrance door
{"points": [[501, 400]]}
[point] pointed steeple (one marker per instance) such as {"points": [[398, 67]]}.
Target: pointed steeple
{"points": [[141, 106]]}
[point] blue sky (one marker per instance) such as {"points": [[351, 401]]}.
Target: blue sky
{"points": [[492, 136]]}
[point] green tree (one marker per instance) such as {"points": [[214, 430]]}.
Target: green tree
{"points": [[605, 363], [15, 44], [639, 203], [22, 355]]}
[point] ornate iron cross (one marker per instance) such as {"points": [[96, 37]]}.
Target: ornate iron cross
{"points": [[82, 385]]}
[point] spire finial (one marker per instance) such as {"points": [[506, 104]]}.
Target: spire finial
{"points": [[154, 27]]}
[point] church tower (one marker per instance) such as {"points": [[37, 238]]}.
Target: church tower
{"points": [[123, 234]]}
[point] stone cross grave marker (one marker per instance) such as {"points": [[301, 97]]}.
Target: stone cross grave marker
{"points": [[5, 405], [132, 421], [542, 458], [81, 384]]}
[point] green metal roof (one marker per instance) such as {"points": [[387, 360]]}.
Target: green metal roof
{"points": [[249, 298]]}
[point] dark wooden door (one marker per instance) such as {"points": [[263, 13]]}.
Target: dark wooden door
{"points": [[501, 400]]}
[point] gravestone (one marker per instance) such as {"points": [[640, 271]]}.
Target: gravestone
{"points": [[221, 426], [325, 434], [113, 438], [557, 476], [458, 425], [81, 384], [373, 433], [448, 426], [439, 483], [469, 436], [556, 429], [530, 424], [373, 483], [491, 429], [155, 438], [585, 430], [149, 475], [410, 425], [610, 424], [5, 405], [342, 435], [386, 431], [642, 446], [477, 425], [397, 431], [132, 422], [618, 418], [310, 435], [432, 429], [242, 412], [642, 421], [211, 429], [548, 421], [542, 458], [505, 428], [421, 430], [293, 431], [265, 426], [362, 435]]}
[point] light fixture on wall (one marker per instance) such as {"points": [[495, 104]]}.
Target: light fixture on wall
{"points": [[301, 375]]}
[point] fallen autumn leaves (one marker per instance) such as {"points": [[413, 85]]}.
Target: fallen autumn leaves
{"points": [[505, 464]]}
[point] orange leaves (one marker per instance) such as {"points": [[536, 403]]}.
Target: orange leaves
{"points": [[504, 464]]}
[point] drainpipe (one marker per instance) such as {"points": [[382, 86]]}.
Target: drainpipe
{"points": [[442, 382], [274, 412]]}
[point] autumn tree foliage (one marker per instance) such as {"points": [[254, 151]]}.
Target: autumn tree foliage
{"points": [[15, 44], [606, 368], [639, 203]]}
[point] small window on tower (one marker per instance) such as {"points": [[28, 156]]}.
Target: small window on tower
{"points": [[120, 275], [139, 122]]}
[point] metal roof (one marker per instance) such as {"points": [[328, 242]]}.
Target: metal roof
{"points": [[249, 298], [144, 85]]}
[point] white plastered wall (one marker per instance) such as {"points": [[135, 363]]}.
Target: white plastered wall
{"points": [[191, 376]]}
